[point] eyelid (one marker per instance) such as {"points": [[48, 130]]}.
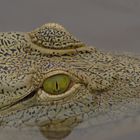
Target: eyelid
{"points": [[57, 72]]}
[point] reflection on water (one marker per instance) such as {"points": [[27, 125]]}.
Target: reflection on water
{"points": [[42, 133], [120, 31], [54, 134], [120, 130], [32, 133], [47, 131]]}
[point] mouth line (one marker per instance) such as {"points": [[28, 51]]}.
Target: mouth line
{"points": [[29, 96], [26, 98]]}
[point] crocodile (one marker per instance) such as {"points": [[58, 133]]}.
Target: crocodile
{"points": [[52, 80]]}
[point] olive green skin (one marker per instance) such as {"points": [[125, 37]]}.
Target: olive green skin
{"points": [[108, 85]]}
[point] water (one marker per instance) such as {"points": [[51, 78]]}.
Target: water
{"points": [[127, 129], [108, 25]]}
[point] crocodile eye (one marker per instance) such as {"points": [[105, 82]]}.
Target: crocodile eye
{"points": [[56, 84]]}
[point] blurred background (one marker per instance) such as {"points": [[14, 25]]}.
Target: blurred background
{"points": [[110, 25], [106, 24]]}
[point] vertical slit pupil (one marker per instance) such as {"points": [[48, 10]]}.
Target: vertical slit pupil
{"points": [[56, 85]]}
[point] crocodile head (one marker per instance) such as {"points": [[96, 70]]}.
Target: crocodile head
{"points": [[49, 78]]}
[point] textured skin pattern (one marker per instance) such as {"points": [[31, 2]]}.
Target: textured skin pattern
{"points": [[108, 88], [54, 36]]}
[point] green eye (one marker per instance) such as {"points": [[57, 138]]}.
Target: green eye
{"points": [[56, 84]]}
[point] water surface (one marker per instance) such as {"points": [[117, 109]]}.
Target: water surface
{"points": [[109, 25]]}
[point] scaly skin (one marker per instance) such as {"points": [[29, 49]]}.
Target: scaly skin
{"points": [[105, 86]]}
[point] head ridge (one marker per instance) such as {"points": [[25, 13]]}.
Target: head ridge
{"points": [[54, 36]]}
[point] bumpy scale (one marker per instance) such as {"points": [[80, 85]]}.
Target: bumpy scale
{"points": [[102, 86]]}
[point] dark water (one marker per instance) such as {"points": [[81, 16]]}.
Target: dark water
{"points": [[111, 25]]}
